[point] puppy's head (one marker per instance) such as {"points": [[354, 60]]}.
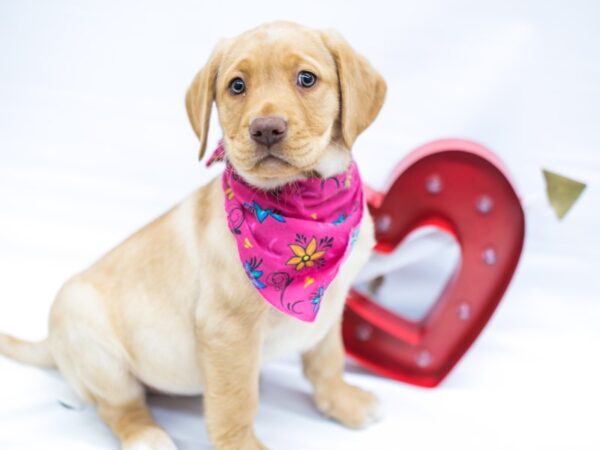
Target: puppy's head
{"points": [[291, 101]]}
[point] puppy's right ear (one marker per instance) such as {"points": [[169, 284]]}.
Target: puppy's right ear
{"points": [[201, 94]]}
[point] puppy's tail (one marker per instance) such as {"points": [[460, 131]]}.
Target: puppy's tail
{"points": [[33, 353]]}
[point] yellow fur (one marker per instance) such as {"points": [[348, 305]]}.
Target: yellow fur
{"points": [[171, 307]]}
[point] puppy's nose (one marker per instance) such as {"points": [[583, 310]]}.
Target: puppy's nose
{"points": [[268, 130]]}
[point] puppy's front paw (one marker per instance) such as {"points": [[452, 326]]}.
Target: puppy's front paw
{"points": [[150, 438], [249, 443], [349, 405]]}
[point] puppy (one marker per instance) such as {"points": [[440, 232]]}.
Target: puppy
{"points": [[172, 307]]}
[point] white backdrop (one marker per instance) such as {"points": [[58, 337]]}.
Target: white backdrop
{"points": [[94, 142]]}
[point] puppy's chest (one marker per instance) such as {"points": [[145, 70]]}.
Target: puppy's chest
{"points": [[285, 334]]}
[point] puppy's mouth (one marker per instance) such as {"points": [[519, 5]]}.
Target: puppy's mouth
{"points": [[272, 161]]}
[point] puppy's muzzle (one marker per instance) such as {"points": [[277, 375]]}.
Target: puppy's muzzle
{"points": [[268, 130]]}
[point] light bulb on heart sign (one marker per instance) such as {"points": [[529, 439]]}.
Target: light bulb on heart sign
{"points": [[462, 188]]}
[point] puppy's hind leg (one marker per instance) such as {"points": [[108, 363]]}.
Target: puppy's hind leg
{"points": [[95, 364], [104, 380]]}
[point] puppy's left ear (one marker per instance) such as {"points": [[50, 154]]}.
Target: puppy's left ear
{"points": [[201, 94], [362, 88]]}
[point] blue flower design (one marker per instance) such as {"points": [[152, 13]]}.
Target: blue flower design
{"points": [[316, 300], [251, 268], [341, 219], [354, 236], [262, 213]]}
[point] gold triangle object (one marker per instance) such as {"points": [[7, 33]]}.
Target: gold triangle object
{"points": [[562, 192]]}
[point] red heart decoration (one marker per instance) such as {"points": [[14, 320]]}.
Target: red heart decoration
{"points": [[462, 188]]}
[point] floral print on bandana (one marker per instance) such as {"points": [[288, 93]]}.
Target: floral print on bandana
{"points": [[305, 256], [294, 237]]}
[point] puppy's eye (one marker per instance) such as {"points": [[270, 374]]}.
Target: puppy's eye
{"points": [[237, 86], [306, 79]]}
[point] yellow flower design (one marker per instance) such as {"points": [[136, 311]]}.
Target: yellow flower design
{"points": [[305, 256], [348, 181]]}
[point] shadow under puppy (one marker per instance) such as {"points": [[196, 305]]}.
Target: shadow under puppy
{"points": [[252, 266]]}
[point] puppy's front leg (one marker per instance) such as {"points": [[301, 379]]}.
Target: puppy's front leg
{"points": [[324, 366], [230, 347]]}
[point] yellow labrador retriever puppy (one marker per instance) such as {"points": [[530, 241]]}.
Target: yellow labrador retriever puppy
{"points": [[172, 308]]}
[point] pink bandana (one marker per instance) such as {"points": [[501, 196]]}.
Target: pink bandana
{"points": [[292, 241]]}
